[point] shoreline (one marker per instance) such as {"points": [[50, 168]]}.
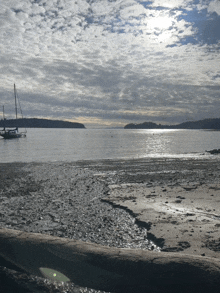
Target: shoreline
{"points": [[125, 184]]}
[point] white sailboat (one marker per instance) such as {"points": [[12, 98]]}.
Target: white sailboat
{"points": [[12, 133]]}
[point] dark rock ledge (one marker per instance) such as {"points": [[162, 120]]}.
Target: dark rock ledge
{"points": [[214, 152], [110, 269]]}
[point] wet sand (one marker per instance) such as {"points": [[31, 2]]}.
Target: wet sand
{"points": [[177, 201], [120, 203], [180, 218]]}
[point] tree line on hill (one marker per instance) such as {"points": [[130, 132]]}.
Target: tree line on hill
{"points": [[39, 123], [200, 124]]}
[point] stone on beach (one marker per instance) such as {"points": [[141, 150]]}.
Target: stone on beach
{"points": [[110, 269]]}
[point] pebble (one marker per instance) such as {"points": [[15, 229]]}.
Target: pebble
{"points": [[66, 201]]}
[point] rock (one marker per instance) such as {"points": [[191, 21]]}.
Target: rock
{"points": [[214, 152], [110, 269]]}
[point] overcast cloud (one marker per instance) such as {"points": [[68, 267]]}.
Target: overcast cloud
{"points": [[111, 62]]}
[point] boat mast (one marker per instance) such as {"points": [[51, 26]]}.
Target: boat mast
{"points": [[16, 108], [3, 116]]}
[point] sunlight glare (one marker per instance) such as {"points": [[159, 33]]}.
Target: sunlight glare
{"points": [[164, 36], [160, 23], [53, 275]]}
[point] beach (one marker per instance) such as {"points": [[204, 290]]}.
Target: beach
{"points": [[158, 205]]}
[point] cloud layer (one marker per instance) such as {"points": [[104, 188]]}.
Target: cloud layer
{"points": [[111, 62]]}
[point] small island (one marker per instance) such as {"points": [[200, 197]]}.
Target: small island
{"points": [[39, 123], [200, 124]]}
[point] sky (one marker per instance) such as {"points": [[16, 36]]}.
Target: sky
{"points": [[107, 63]]}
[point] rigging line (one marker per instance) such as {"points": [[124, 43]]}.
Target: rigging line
{"points": [[19, 105], [20, 110], [16, 108]]}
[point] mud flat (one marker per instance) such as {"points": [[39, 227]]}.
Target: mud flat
{"points": [[179, 218], [119, 204], [177, 201]]}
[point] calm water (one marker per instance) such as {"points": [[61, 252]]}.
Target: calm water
{"points": [[42, 145]]}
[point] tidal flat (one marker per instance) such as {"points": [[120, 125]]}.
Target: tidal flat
{"points": [[167, 205]]}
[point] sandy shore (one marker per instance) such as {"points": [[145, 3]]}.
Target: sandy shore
{"points": [[121, 203], [177, 201]]}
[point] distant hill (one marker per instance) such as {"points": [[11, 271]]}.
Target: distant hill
{"points": [[145, 125], [200, 124], [39, 123]]}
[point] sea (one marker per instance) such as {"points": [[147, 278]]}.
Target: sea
{"points": [[69, 145]]}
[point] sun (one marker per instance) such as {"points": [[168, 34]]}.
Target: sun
{"points": [[160, 27], [160, 23]]}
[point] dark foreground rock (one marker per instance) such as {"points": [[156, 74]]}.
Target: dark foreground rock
{"points": [[110, 269], [17, 281], [214, 152]]}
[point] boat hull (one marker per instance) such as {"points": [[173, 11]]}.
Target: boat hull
{"points": [[10, 134]]}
